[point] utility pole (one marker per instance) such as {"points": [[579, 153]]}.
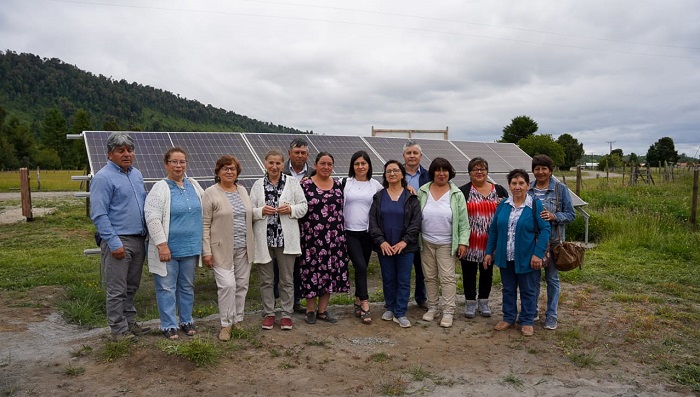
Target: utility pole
{"points": [[607, 163]]}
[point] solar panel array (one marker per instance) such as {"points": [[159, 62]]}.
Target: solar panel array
{"points": [[204, 148]]}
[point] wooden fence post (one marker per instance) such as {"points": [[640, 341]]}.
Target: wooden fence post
{"points": [[25, 194]]}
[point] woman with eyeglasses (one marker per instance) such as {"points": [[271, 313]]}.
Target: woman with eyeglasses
{"points": [[173, 212], [394, 225], [228, 241], [482, 199]]}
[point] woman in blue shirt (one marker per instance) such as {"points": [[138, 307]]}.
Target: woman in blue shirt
{"points": [[394, 225], [173, 212], [517, 243]]}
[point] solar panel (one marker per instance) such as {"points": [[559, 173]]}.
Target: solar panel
{"points": [[512, 154], [483, 150], [392, 149], [342, 148], [204, 148]]}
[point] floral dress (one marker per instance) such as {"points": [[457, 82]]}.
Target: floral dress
{"points": [[324, 258]]}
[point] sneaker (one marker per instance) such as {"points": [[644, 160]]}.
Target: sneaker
{"points": [[446, 321], [189, 329], [430, 314], [550, 323], [470, 309], [124, 337], [484, 308], [225, 334], [388, 315], [268, 322], [402, 321], [137, 329], [286, 324], [527, 330]]}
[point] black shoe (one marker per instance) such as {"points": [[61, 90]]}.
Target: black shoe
{"points": [[298, 308], [423, 305], [138, 330], [311, 317]]}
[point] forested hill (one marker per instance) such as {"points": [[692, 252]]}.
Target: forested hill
{"points": [[43, 99]]}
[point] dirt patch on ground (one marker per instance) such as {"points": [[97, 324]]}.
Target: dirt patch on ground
{"points": [[590, 354]]}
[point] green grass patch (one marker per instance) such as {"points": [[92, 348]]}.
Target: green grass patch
{"points": [[380, 357], [393, 386], [50, 180], [198, 350], [114, 350]]}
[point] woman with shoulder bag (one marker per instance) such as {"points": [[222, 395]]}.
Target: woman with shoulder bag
{"points": [[558, 211]]}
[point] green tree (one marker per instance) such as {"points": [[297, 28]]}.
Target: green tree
{"points": [[573, 150], [54, 132], [543, 144], [633, 160], [111, 124], [20, 136], [48, 159], [662, 150], [519, 128]]}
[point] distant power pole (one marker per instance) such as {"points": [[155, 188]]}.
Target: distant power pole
{"points": [[607, 163]]}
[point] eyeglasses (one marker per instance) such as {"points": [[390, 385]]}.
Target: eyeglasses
{"points": [[479, 170], [176, 162], [229, 169], [389, 172]]}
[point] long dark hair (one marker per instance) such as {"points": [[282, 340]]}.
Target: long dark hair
{"points": [[357, 155]]}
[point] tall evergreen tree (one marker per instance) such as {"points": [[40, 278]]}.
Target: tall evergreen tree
{"points": [[519, 128], [573, 150]]}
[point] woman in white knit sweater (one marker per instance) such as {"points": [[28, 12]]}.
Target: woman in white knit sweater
{"points": [[278, 202]]}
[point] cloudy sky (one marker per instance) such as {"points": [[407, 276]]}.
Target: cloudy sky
{"points": [[623, 71]]}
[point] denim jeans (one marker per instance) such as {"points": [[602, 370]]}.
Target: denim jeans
{"points": [[420, 295], [527, 284], [175, 292], [551, 276], [396, 281]]}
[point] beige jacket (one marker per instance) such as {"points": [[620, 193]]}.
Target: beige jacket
{"points": [[217, 216]]}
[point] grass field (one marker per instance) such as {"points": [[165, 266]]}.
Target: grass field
{"points": [[51, 181], [645, 254]]}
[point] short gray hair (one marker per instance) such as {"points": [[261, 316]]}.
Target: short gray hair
{"points": [[411, 143], [298, 142], [117, 139]]}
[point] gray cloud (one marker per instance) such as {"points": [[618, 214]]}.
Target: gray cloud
{"points": [[623, 71]]}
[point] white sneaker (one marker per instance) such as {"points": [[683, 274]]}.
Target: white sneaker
{"points": [[402, 321], [446, 320], [388, 315], [430, 314]]}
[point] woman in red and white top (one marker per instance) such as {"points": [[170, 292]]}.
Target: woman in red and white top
{"points": [[482, 199]]}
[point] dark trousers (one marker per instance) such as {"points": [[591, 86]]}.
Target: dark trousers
{"points": [[469, 270], [359, 251], [419, 294]]}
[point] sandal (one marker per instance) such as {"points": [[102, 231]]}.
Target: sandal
{"points": [[170, 333], [358, 309], [311, 317], [366, 315], [325, 316], [188, 329]]}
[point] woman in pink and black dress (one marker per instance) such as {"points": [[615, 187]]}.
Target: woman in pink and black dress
{"points": [[482, 199], [324, 258]]}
